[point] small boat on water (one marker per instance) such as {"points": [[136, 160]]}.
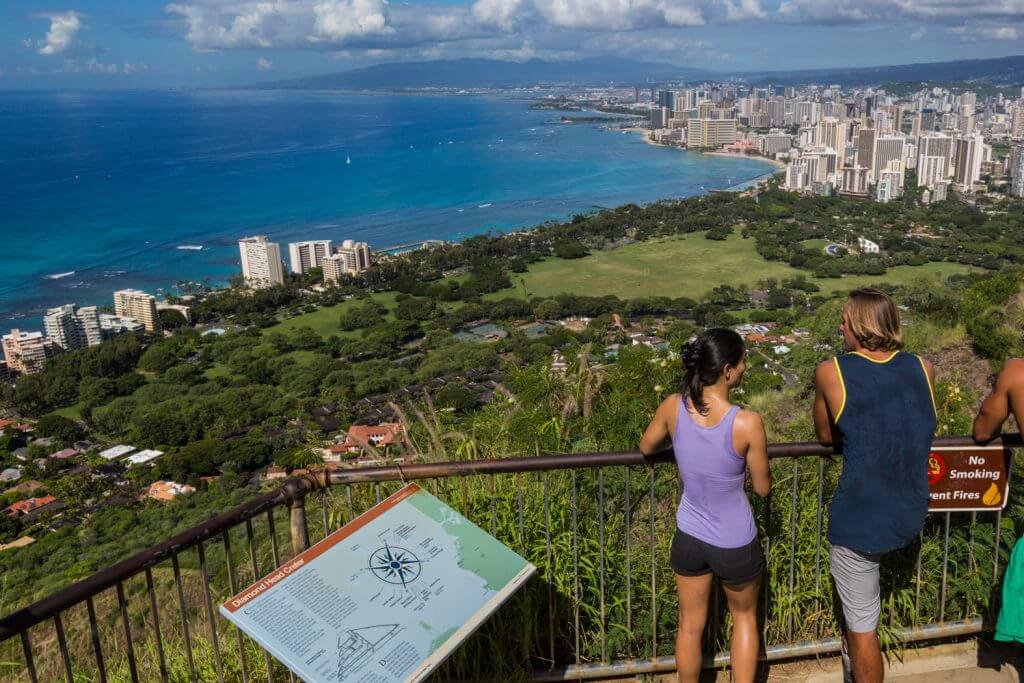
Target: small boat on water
{"points": [[348, 160]]}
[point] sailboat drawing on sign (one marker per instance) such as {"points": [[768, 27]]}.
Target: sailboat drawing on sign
{"points": [[359, 644]]}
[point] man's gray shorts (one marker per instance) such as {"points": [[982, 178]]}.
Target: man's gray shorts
{"points": [[856, 578]]}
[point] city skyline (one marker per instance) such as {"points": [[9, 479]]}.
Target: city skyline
{"points": [[156, 43]]}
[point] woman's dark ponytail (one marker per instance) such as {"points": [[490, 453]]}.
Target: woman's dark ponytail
{"points": [[704, 361]]}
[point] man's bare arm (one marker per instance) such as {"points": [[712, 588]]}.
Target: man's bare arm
{"points": [[1007, 396]]}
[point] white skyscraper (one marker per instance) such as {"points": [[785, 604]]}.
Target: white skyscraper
{"points": [[351, 258], [70, 327], [136, 304], [261, 262], [306, 255]]}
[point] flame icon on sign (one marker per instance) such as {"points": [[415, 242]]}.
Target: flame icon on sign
{"points": [[992, 495]]}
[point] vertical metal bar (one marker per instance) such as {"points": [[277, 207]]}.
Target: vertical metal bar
{"points": [[254, 563], [996, 548], [575, 569], [376, 491], [792, 545], [970, 541], [272, 530], [629, 567], [522, 520], [494, 506], [184, 620], [30, 663], [917, 581], [151, 589], [299, 529], [550, 570], [654, 572], [819, 513], [210, 614], [132, 668], [233, 587], [767, 584], [97, 646], [465, 497], [348, 498], [945, 566], [69, 676], [600, 558], [323, 512]]}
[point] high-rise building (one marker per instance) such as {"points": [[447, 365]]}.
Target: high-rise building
{"points": [[70, 327], [865, 154], [306, 255], [970, 150], [261, 262], [1017, 122], [136, 304], [25, 352], [351, 258], [887, 148], [659, 117], [1017, 171], [934, 159], [710, 133]]}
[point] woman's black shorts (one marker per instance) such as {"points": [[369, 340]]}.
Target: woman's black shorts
{"points": [[693, 557]]}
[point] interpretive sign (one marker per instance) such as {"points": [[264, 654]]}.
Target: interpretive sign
{"points": [[964, 479], [384, 598]]}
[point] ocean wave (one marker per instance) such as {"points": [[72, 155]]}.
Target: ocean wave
{"points": [[58, 276], [189, 247]]}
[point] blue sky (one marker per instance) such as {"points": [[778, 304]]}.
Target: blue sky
{"points": [[183, 43]]}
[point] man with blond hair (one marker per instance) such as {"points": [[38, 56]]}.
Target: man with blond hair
{"points": [[877, 402]]}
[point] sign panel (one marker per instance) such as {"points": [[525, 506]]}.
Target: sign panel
{"points": [[385, 598], [971, 478]]}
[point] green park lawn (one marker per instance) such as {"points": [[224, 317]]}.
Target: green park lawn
{"points": [[324, 321], [686, 266]]}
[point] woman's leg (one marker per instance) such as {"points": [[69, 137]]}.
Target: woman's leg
{"points": [[693, 614], [745, 637]]}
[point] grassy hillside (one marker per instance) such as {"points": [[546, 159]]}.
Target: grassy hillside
{"points": [[689, 266]]}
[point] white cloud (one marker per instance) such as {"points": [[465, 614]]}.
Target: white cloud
{"points": [[128, 68], [63, 27], [970, 33], [264, 64], [842, 11], [219, 25], [918, 34], [337, 20]]}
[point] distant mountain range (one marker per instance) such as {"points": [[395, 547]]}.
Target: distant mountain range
{"points": [[493, 73]]}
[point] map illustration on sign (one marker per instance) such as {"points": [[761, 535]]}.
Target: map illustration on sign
{"points": [[385, 598]]}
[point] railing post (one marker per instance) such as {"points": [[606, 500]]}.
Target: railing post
{"points": [[300, 532]]}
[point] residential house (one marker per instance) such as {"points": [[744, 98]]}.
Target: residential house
{"points": [[31, 508], [168, 490], [380, 437]]}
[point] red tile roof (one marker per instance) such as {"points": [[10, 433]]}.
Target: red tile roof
{"points": [[4, 424], [24, 507], [380, 435]]}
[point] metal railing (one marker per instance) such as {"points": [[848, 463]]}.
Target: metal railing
{"points": [[596, 525]]}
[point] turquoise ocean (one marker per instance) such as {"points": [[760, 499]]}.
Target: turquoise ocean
{"points": [[100, 190]]}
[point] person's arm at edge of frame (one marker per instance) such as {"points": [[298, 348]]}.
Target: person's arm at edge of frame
{"points": [[657, 437], [1006, 396], [752, 427], [824, 378]]}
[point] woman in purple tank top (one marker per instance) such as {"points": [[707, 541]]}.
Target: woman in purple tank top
{"points": [[715, 444]]}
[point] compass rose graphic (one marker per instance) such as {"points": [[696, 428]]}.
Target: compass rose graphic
{"points": [[395, 565]]}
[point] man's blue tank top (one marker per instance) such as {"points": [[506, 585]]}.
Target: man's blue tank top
{"points": [[887, 421]]}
